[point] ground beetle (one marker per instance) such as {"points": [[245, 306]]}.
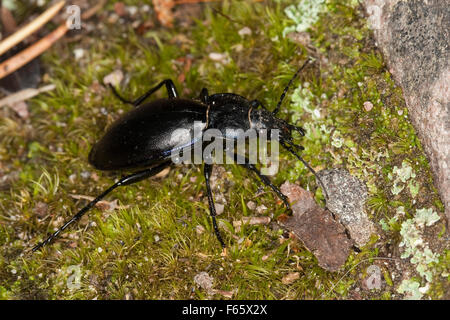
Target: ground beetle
{"points": [[140, 139]]}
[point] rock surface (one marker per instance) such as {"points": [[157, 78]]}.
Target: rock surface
{"points": [[347, 197], [414, 37]]}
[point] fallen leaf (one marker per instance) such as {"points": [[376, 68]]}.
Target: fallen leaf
{"points": [[316, 228]]}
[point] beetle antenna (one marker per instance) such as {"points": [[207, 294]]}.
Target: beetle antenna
{"points": [[291, 150], [289, 84]]}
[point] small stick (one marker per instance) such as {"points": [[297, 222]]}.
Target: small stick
{"points": [[25, 94], [30, 28], [25, 56], [92, 11], [28, 54]]}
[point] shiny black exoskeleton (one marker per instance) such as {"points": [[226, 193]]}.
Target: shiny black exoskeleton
{"points": [[143, 138]]}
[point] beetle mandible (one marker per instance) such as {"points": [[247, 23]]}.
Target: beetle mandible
{"points": [[141, 138]]}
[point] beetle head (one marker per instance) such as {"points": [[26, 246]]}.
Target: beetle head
{"points": [[262, 119]]}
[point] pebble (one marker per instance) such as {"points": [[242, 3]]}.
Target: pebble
{"points": [[78, 53], [251, 205], [199, 229], [260, 209], [219, 208], [368, 106], [245, 31]]}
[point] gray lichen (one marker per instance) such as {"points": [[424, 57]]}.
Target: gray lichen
{"points": [[347, 196]]}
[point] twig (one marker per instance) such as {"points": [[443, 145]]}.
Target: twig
{"points": [[227, 17], [24, 95], [25, 56], [30, 28], [92, 11]]}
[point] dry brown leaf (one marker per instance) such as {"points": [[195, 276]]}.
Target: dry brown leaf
{"points": [[316, 228]]}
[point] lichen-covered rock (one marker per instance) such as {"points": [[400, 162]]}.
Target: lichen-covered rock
{"points": [[346, 198], [414, 37]]}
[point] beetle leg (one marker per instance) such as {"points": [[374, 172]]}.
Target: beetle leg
{"points": [[264, 179], [132, 178], [207, 170], [118, 95], [204, 97], [171, 91]]}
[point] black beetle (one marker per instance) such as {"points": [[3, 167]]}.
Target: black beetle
{"points": [[141, 137]]}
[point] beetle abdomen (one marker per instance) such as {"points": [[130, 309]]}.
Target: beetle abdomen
{"points": [[145, 135]]}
